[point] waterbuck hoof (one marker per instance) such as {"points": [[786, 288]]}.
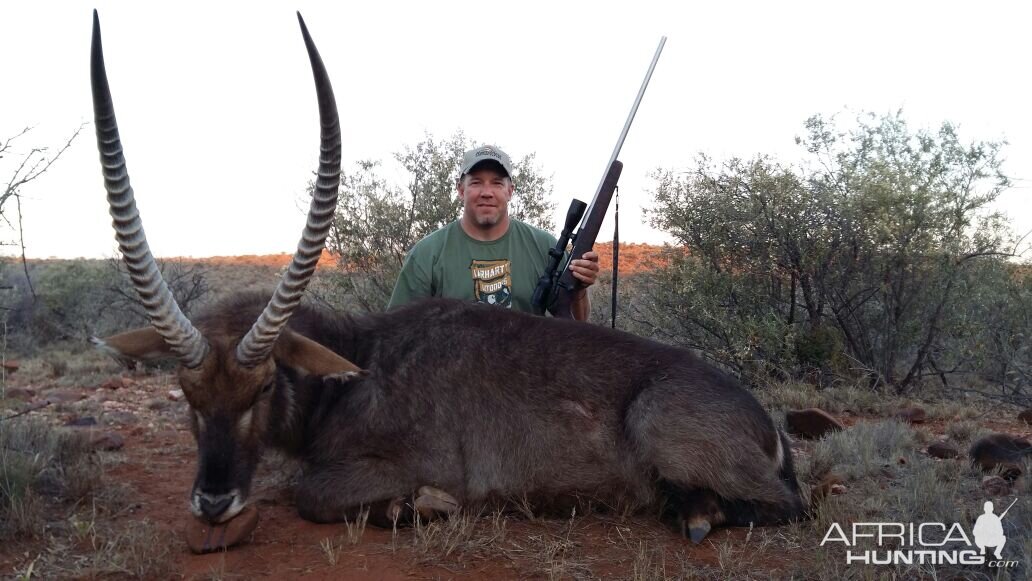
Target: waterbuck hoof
{"points": [[396, 511], [204, 537], [433, 503], [697, 529]]}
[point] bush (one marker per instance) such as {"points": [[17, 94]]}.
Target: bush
{"points": [[877, 256]]}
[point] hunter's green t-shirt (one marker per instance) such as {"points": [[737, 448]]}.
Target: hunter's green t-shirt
{"points": [[449, 263]]}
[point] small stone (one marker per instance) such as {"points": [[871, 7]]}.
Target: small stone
{"points": [[106, 441], [23, 393], [996, 485], [175, 394], [942, 450], [811, 423], [837, 489], [203, 537], [1026, 416], [117, 383], [63, 396], [156, 404], [10, 366], [80, 422], [912, 415]]}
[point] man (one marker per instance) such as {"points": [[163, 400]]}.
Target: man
{"points": [[988, 530], [486, 256]]}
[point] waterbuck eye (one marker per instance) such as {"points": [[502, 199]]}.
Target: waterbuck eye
{"points": [[267, 389]]}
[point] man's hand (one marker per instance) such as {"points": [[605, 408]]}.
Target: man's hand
{"points": [[585, 269]]}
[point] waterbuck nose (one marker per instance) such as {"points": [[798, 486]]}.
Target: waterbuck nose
{"points": [[213, 505]]}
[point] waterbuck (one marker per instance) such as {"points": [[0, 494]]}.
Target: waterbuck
{"points": [[460, 402]]}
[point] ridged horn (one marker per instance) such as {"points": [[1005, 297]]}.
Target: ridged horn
{"points": [[257, 344], [184, 340]]}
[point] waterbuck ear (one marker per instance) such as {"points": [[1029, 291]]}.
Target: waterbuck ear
{"points": [[143, 344], [307, 356]]}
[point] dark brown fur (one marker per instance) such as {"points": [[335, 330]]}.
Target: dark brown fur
{"points": [[487, 403]]}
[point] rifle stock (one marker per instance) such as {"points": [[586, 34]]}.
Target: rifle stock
{"points": [[584, 240]]}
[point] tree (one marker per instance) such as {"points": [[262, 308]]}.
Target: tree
{"points": [[855, 258], [28, 166], [377, 222]]}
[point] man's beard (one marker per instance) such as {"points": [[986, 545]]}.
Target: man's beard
{"points": [[488, 220]]}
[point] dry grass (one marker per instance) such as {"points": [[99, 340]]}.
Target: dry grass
{"points": [[353, 532], [53, 489], [39, 466], [69, 366]]}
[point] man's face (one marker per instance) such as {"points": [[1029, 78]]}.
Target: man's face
{"points": [[485, 193]]}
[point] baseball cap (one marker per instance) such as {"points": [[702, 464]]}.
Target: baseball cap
{"points": [[482, 154]]}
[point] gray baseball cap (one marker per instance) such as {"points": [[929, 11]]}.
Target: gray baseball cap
{"points": [[482, 154]]}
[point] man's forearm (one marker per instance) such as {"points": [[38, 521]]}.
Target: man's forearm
{"points": [[581, 305]]}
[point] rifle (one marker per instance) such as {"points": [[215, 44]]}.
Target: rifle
{"points": [[1004, 513], [556, 291]]}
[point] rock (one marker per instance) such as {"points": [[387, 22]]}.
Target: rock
{"points": [[1026, 416], [10, 366], [996, 485], [156, 404], [63, 396], [120, 417], [1001, 452], [106, 441], [175, 394], [811, 423], [23, 393], [942, 450], [912, 415], [36, 405], [79, 422], [203, 537]]}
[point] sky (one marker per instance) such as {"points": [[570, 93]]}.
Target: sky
{"points": [[218, 117]]}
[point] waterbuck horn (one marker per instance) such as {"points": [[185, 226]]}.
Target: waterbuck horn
{"points": [[258, 343], [183, 339]]}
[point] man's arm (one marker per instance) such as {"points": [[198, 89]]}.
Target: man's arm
{"points": [[585, 270]]}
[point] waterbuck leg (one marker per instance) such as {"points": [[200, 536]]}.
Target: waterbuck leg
{"points": [[432, 503], [342, 491], [730, 450], [695, 511]]}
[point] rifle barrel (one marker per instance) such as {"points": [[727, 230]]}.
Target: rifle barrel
{"points": [[630, 118], [1004, 513]]}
